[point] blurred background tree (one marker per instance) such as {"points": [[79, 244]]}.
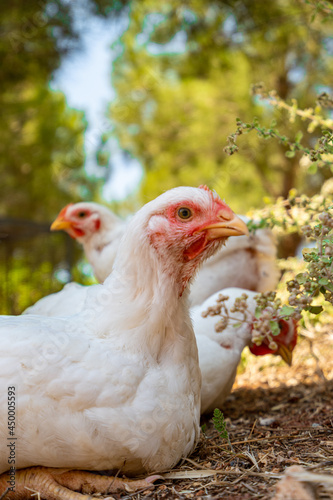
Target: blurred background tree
{"points": [[184, 74], [42, 139], [42, 146]]}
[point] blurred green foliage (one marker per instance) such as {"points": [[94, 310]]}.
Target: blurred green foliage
{"points": [[42, 142], [183, 76], [41, 138]]}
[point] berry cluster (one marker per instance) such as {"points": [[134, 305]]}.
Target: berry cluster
{"points": [[221, 309], [264, 321], [318, 278]]}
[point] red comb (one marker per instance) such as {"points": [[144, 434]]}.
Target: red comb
{"points": [[214, 196], [64, 210]]}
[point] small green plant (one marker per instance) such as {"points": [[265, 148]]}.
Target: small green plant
{"points": [[220, 426]]}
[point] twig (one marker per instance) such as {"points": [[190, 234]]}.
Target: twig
{"points": [[249, 473], [4, 494], [261, 439], [196, 464], [305, 114], [116, 475], [253, 426], [35, 493], [249, 487], [139, 491], [250, 455]]}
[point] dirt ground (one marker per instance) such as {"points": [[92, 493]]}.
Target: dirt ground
{"points": [[277, 416]]}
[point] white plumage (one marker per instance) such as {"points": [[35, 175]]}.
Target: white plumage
{"points": [[70, 300], [118, 385], [219, 353]]}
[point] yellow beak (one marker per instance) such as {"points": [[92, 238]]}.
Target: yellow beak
{"points": [[285, 353], [232, 227], [59, 224]]}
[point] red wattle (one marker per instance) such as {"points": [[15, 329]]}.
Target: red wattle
{"points": [[196, 248], [77, 232], [260, 350]]}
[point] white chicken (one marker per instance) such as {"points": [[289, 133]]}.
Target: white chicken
{"points": [[220, 353], [246, 262], [118, 385], [98, 230]]}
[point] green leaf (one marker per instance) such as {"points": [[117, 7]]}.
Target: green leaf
{"points": [[290, 154], [314, 309], [323, 281], [219, 423], [301, 278], [237, 325], [299, 136], [257, 312], [313, 168], [274, 326], [286, 310]]}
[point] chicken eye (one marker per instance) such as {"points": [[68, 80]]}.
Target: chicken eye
{"points": [[184, 213], [81, 214]]}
